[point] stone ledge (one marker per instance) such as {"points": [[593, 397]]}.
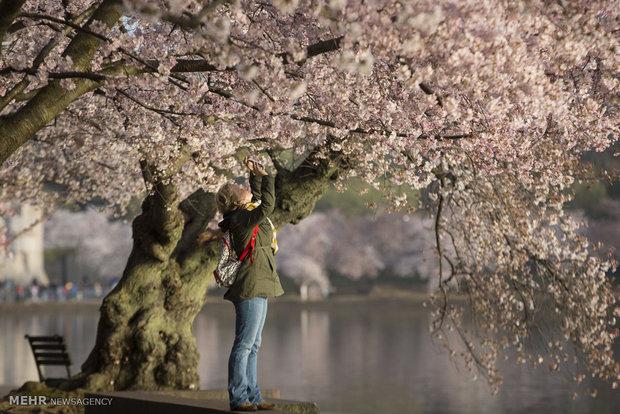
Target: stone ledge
{"points": [[187, 402]]}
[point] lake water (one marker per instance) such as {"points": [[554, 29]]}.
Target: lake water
{"points": [[348, 356]]}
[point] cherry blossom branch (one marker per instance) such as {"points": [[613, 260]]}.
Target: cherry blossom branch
{"points": [[189, 65], [331, 124], [153, 68], [162, 112], [153, 175], [319, 48], [427, 90], [38, 60], [181, 66], [9, 9], [20, 126], [28, 228], [263, 90], [57, 75], [15, 27], [229, 95], [78, 75], [17, 89], [198, 65], [151, 65], [470, 349], [196, 20], [112, 70], [442, 288], [73, 25]]}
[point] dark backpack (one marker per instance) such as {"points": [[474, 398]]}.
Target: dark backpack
{"points": [[228, 265]]}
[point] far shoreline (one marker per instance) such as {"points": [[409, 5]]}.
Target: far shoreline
{"points": [[408, 296]]}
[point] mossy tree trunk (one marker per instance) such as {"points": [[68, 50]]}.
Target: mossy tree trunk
{"points": [[144, 337]]}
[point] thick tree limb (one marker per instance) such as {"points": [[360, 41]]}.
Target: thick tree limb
{"points": [[298, 191], [24, 83], [8, 11], [20, 126], [324, 46], [16, 90], [189, 65], [58, 75], [72, 25], [150, 290], [316, 49], [197, 65], [427, 90], [196, 20]]}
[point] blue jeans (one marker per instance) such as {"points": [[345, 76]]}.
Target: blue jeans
{"points": [[242, 362]]}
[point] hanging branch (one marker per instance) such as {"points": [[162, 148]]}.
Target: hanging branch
{"points": [[442, 288]]}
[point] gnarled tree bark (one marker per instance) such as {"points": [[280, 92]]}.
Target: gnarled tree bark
{"points": [[144, 337]]}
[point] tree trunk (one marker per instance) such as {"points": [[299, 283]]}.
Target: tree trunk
{"points": [[144, 337]]}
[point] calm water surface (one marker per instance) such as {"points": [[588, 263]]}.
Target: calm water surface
{"points": [[349, 357]]}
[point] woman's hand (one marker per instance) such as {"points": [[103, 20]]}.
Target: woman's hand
{"points": [[248, 163], [255, 168]]}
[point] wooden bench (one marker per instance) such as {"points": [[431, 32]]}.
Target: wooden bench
{"points": [[49, 350]]}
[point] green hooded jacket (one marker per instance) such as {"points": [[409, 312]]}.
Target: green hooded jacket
{"points": [[258, 279]]}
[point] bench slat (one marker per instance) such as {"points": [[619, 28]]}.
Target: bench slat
{"points": [[54, 338], [50, 352], [64, 357], [59, 347], [52, 362]]}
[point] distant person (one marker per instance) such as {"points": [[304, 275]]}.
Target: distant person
{"points": [[256, 281], [34, 290], [60, 292], [19, 292], [98, 290]]}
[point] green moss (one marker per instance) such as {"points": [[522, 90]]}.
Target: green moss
{"points": [[297, 407]]}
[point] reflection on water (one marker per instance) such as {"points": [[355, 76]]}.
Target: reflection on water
{"points": [[355, 357], [16, 360]]}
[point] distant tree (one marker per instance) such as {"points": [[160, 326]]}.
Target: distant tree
{"points": [[358, 247], [302, 255], [487, 106], [405, 244]]}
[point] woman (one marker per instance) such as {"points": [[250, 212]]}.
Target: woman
{"points": [[256, 281]]}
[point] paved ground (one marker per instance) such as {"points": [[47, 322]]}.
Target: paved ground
{"points": [[190, 402]]}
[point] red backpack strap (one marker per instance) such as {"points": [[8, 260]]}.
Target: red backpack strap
{"points": [[250, 247]]}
